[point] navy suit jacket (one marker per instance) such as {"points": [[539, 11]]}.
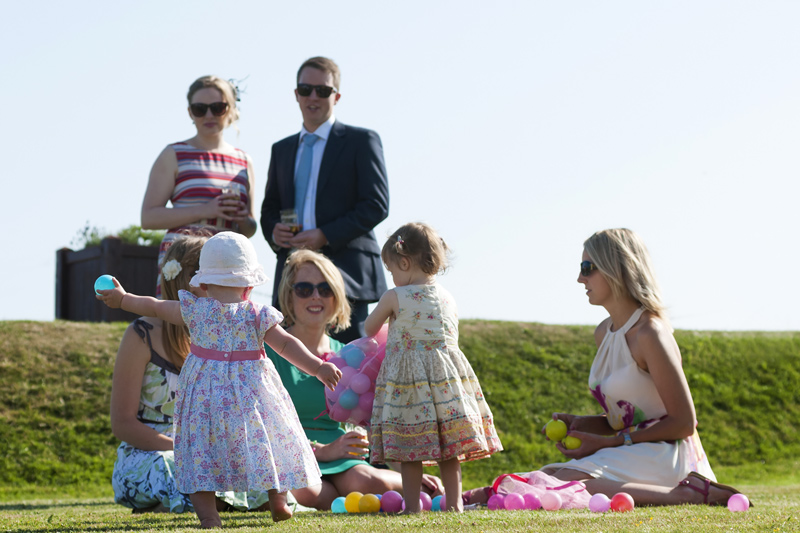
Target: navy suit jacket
{"points": [[352, 198]]}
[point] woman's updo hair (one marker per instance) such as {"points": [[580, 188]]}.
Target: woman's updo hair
{"points": [[420, 244], [623, 260], [229, 92]]}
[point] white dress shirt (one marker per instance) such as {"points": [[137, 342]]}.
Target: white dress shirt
{"points": [[309, 207]]}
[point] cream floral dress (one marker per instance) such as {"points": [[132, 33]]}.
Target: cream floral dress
{"points": [[428, 403]]}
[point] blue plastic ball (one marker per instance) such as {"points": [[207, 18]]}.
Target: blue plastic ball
{"points": [[348, 399], [104, 283], [338, 505], [352, 355], [436, 504]]}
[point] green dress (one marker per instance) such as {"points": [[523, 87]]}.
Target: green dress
{"points": [[308, 395]]}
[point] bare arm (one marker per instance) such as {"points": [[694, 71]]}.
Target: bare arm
{"points": [[166, 310], [126, 390], [296, 353], [388, 307], [244, 217]]}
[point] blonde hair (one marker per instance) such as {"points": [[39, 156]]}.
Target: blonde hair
{"points": [[341, 315], [623, 260], [420, 244], [186, 251], [229, 93]]}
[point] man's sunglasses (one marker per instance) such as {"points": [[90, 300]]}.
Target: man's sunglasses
{"points": [[323, 91], [305, 289], [587, 267], [217, 109]]}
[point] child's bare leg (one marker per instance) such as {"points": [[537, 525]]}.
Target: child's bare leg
{"points": [[278, 507], [450, 471], [205, 505], [412, 484]]}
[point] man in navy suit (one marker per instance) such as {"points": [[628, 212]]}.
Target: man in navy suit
{"points": [[336, 181]]}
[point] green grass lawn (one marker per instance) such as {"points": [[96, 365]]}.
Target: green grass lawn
{"points": [[778, 509], [57, 450]]}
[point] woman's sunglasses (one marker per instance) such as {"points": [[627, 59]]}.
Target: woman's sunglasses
{"points": [[217, 109], [323, 91], [587, 267], [305, 289]]}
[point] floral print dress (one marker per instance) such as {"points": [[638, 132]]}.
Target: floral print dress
{"points": [[236, 427], [145, 478], [428, 405], [631, 402]]}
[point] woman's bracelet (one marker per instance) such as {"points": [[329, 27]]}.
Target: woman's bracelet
{"points": [[314, 445]]}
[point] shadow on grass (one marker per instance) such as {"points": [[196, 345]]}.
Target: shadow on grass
{"points": [[51, 505]]}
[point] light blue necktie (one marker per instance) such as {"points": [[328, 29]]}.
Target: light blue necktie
{"points": [[303, 174]]}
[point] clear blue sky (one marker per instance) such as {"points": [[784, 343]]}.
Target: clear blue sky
{"points": [[515, 128]]}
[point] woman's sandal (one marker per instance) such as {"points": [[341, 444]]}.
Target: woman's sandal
{"points": [[707, 484]]}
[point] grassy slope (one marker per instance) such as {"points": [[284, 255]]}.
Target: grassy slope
{"points": [[56, 378]]}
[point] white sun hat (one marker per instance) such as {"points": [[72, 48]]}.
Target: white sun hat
{"points": [[229, 259]]}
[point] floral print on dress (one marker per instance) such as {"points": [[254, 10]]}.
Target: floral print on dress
{"points": [[428, 405], [236, 427]]}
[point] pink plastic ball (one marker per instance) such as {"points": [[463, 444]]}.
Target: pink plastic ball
{"points": [[347, 374], [338, 362], [532, 501], [371, 367], [360, 417], [369, 346], [738, 502], [622, 502], [391, 502], [366, 401], [332, 395], [599, 503], [360, 383], [496, 501], [551, 501], [443, 502], [338, 412], [426, 500], [514, 502]]}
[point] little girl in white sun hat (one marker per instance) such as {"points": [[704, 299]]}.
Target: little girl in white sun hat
{"points": [[236, 428]]}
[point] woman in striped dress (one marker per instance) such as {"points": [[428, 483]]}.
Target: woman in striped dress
{"points": [[208, 182]]}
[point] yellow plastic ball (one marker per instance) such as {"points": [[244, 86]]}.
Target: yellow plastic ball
{"points": [[571, 443], [351, 502], [369, 503]]}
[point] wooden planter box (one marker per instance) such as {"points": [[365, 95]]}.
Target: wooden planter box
{"points": [[135, 267]]}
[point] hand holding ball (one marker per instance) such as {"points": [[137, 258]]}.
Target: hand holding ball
{"points": [[571, 443], [104, 283], [556, 430]]}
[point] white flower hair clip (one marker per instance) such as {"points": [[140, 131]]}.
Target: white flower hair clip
{"points": [[171, 269]]}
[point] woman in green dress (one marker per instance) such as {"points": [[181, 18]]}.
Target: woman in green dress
{"points": [[313, 301]]}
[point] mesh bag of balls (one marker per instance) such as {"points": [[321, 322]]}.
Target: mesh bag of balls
{"points": [[360, 361]]}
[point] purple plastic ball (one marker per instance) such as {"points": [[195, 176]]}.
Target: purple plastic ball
{"points": [[496, 501], [514, 502], [391, 502], [532, 501], [427, 503]]}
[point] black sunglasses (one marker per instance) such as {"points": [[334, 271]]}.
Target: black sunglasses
{"points": [[323, 91], [587, 267], [305, 289], [217, 109]]}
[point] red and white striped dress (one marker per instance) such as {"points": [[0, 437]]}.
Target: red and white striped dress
{"points": [[202, 176]]}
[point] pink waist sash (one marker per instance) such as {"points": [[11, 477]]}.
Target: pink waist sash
{"points": [[233, 355]]}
